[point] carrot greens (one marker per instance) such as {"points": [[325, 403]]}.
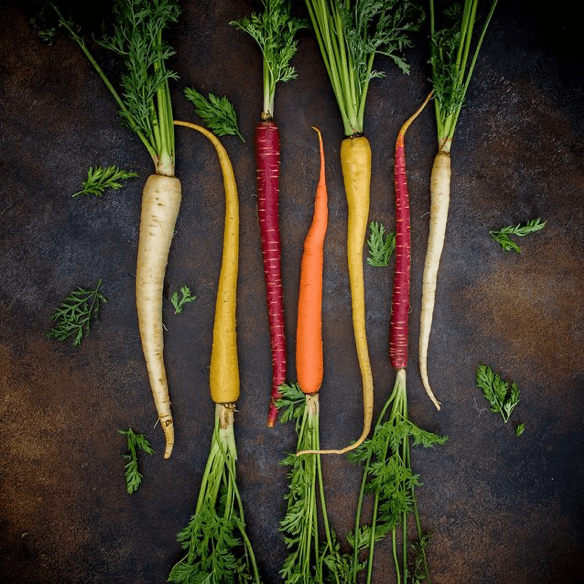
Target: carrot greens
{"points": [[501, 236], [389, 478], [104, 178], [274, 30], [215, 540], [501, 396], [218, 113], [135, 442], [309, 558], [75, 314], [381, 245], [185, 298], [349, 35]]}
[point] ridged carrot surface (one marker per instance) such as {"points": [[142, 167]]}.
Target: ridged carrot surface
{"points": [[267, 154]]}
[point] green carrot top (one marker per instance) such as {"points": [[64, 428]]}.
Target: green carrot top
{"points": [[145, 105], [450, 51], [349, 35], [274, 30]]}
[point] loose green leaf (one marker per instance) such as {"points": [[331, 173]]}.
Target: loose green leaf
{"points": [[76, 313], [185, 298], [501, 396], [501, 236], [292, 403], [101, 179], [519, 429], [381, 245], [135, 442], [217, 112]]}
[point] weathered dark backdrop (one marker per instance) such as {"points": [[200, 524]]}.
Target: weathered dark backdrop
{"points": [[502, 509]]}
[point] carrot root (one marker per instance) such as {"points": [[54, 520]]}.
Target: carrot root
{"points": [[160, 205], [309, 352], [440, 200], [224, 371], [267, 155], [400, 298]]}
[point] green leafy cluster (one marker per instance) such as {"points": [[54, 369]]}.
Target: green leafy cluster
{"points": [[103, 178], [185, 298], [501, 236], [135, 442], [501, 396], [217, 112], [218, 550], [144, 104], [274, 30], [309, 560], [452, 62], [380, 244], [389, 478], [76, 313], [349, 35]]}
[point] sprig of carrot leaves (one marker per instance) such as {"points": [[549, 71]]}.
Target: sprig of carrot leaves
{"points": [[381, 245], [185, 298], [76, 313], [501, 396], [144, 102], [217, 112], [501, 236], [135, 442], [103, 178]]}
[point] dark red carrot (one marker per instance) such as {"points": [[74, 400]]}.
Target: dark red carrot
{"points": [[267, 153], [400, 298], [274, 30]]}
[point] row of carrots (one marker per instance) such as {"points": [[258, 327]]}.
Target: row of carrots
{"points": [[339, 28]]}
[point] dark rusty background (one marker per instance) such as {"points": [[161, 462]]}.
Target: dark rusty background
{"points": [[503, 509]]}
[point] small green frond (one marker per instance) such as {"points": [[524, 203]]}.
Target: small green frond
{"points": [[76, 313], [101, 179]]}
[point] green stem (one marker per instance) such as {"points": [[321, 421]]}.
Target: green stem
{"points": [[81, 43]]}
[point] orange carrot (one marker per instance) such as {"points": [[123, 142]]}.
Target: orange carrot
{"points": [[309, 356]]}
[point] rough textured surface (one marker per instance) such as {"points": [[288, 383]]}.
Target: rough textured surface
{"points": [[503, 509]]}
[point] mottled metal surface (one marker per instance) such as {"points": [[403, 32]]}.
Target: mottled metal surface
{"points": [[502, 509]]}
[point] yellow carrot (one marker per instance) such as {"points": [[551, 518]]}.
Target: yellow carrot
{"points": [[224, 372]]}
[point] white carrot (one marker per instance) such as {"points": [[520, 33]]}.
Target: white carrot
{"points": [[451, 74], [160, 204], [146, 109]]}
